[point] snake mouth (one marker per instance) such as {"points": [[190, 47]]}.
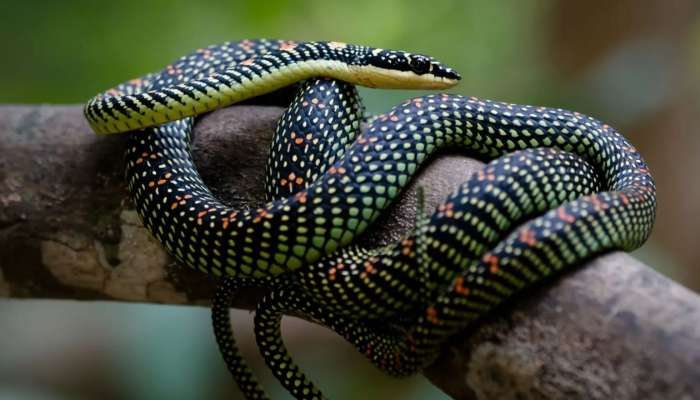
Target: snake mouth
{"points": [[449, 82], [375, 77]]}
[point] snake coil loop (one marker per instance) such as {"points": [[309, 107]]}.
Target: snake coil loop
{"points": [[561, 187]]}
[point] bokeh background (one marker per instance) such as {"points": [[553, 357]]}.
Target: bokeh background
{"points": [[634, 64]]}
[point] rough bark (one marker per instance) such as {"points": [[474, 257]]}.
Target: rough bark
{"points": [[611, 329]]}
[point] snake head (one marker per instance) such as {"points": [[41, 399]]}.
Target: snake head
{"points": [[403, 70]]}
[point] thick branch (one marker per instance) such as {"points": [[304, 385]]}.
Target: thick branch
{"points": [[614, 329]]}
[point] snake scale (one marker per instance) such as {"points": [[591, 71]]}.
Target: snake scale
{"points": [[560, 187]]}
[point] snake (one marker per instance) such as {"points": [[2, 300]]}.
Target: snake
{"points": [[481, 213], [397, 304]]}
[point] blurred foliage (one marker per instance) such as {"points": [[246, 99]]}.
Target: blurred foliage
{"points": [[66, 51]]}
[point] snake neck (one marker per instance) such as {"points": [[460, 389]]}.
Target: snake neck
{"points": [[180, 92], [154, 107]]}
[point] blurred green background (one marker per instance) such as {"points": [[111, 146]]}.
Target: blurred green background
{"points": [[632, 64]]}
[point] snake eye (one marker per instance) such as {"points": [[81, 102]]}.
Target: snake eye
{"points": [[419, 64]]}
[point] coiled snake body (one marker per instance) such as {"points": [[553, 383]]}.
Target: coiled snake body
{"points": [[327, 182]]}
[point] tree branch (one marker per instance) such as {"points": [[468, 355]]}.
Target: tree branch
{"points": [[613, 329]]}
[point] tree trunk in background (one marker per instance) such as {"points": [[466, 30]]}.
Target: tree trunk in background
{"points": [[613, 329]]}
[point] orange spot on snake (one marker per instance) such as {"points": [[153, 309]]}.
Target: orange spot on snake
{"points": [[261, 214], [447, 209], [432, 315], [597, 204], [459, 286], [564, 216], [528, 237], [492, 261], [287, 46], [301, 197], [369, 267], [625, 199], [406, 246]]}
